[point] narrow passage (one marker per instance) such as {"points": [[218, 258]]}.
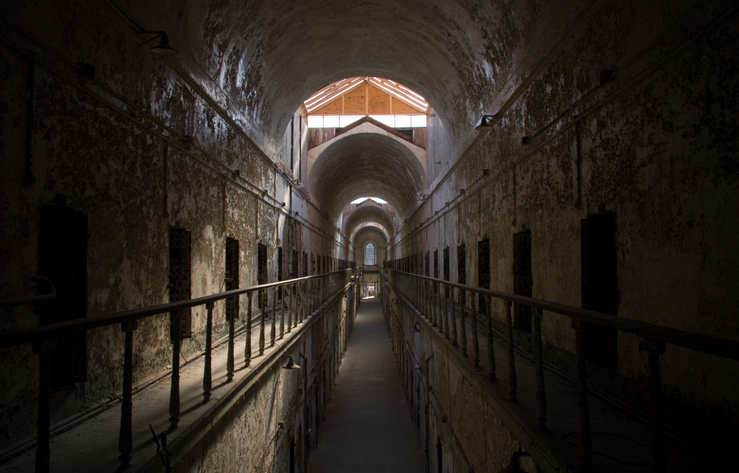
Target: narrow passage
{"points": [[367, 423]]}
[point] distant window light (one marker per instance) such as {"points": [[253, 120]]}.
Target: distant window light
{"points": [[369, 253], [393, 121], [376, 200]]}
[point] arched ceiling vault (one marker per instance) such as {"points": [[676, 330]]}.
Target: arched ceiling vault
{"points": [[369, 213], [367, 234], [366, 164], [270, 55]]}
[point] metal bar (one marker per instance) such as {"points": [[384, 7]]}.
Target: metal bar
{"points": [[282, 315], [462, 320], [290, 308], [125, 435], [585, 440], [713, 345], [656, 420], [512, 381], [247, 344], [43, 422], [263, 304], [174, 394], [453, 316], [541, 396], [273, 332], [491, 346], [475, 336]]}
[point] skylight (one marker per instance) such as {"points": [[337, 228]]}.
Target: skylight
{"points": [[362, 200]]}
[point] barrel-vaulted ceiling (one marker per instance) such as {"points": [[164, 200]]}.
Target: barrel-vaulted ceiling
{"points": [[367, 164], [369, 213], [268, 56]]}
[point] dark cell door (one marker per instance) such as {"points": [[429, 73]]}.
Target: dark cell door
{"points": [[179, 279], [305, 264], [436, 264], [232, 276], [462, 264], [483, 270], [522, 279], [600, 285], [63, 259]]}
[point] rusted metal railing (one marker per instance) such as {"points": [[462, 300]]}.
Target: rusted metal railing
{"points": [[435, 300], [302, 296]]}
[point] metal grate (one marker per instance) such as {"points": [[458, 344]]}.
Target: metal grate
{"points": [[179, 280], [232, 276]]}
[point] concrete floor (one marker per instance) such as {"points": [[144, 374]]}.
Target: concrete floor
{"points": [[367, 424]]}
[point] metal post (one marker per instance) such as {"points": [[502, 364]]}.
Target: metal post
{"points": [[541, 396], [273, 332], [43, 425], [174, 394], [475, 340], [282, 312], [263, 300], [230, 355], [659, 459], [290, 307], [491, 349], [462, 318], [453, 316], [512, 381], [125, 436], [247, 345], [584, 435], [207, 371]]}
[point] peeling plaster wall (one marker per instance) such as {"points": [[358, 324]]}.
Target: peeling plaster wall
{"points": [[657, 145], [138, 146]]}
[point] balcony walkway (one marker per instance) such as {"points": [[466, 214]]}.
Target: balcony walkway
{"points": [[368, 424]]}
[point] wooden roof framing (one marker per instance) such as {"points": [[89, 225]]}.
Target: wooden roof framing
{"points": [[326, 100]]}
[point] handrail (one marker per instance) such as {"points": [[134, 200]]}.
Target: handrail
{"points": [[436, 299], [304, 295], [706, 343], [31, 299], [45, 332]]}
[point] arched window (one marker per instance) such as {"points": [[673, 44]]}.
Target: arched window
{"points": [[369, 253]]}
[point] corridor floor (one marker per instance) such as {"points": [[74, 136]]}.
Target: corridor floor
{"points": [[367, 425]]}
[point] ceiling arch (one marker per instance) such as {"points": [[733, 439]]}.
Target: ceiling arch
{"points": [[270, 55], [369, 213], [370, 234], [366, 164]]}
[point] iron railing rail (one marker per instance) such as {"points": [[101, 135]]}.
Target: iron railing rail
{"points": [[435, 299], [302, 296], [18, 301]]}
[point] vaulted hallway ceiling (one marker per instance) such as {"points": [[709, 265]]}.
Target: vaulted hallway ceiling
{"points": [[269, 56]]}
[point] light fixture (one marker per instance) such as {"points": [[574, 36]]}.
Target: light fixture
{"points": [[290, 363], [297, 184], [163, 48], [416, 328], [485, 123]]}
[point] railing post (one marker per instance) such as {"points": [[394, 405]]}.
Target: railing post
{"points": [[659, 459], [475, 338], [207, 365], [125, 435], [174, 394], [273, 332], [282, 312], [585, 440], [512, 381], [43, 424], [444, 313], [262, 319], [462, 319], [541, 396], [290, 307], [491, 346], [453, 316], [229, 356], [247, 344]]}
